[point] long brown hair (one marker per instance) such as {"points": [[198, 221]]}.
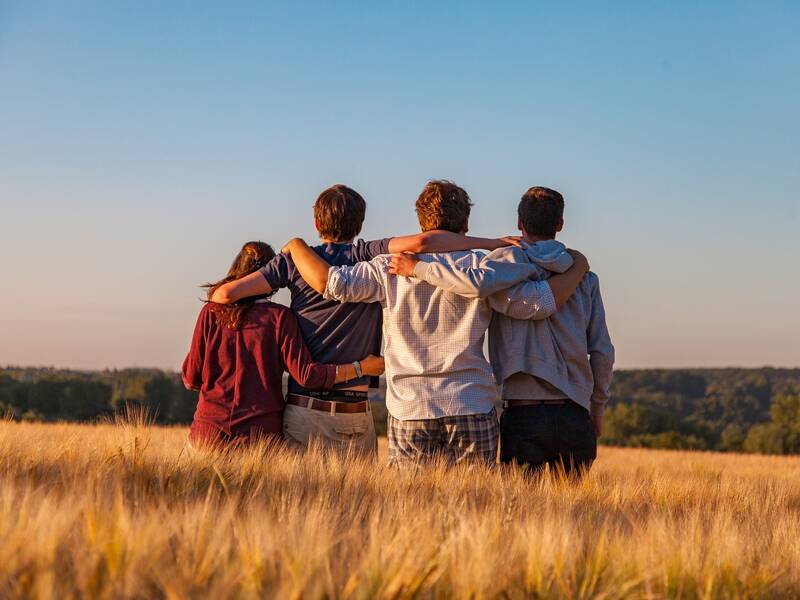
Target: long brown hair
{"points": [[250, 259]]}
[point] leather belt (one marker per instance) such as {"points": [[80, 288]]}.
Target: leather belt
{"points": [[512, 403], [327, 406]]}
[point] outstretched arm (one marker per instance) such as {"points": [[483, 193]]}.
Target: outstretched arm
{"points": [[525, 300], [298, 362], [233, 291], [447, 241], [359, 283], [537, 299], [309, 264], [519, 300], [470, 282], [363, 282]]}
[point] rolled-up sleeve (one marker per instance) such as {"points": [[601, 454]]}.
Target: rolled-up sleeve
{"points": [[525, 301], [363, 282]]}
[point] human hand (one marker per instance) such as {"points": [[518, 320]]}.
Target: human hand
{"points": [[597, 423], [372, 365], [509, 240], [579, 260], [403, 264]]}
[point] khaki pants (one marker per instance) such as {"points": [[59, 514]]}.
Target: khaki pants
{"points": [[344, 432]]}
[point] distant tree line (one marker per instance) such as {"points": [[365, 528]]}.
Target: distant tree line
{"points": [[60, 395], [730, 410]]}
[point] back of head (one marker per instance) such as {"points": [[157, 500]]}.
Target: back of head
{"points": [[250, 259], [443, 205], [541, 212], [339, 213]]}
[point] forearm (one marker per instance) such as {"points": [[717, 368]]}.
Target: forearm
{"points": [[315, 376], [345, 373], [359, 283], [447, 241], [601, 352], [565, 284], [602, 370], [477, 282], [253, 284], [526, 300]]}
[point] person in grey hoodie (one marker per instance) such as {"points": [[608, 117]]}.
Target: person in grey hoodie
{"points": [[555, 372]]}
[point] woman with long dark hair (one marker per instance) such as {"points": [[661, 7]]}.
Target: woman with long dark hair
{"points": [[238, 356]]}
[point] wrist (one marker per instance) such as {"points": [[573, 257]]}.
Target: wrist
{"points": [[358, 370]]}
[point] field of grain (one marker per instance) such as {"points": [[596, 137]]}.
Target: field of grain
{"points": [[125, 511]]}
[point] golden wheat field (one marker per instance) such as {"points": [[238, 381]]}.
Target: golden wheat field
{"points": [[124, 511]]}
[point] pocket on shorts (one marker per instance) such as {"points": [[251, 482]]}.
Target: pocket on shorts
{"points": [[350, 431], [296, 426]]}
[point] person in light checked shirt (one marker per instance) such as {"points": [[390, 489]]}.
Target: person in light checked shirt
{"points": [[441, 392]]}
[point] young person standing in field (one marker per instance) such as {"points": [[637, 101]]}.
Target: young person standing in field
{"points": [[555, 372], [440, 390], [340, 416], [237, 358]]}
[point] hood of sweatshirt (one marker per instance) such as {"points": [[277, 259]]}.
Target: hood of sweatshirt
{"points": [[549, 254]]}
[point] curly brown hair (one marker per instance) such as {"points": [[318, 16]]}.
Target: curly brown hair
{"points": [[339, 213], [250, 259], [443, 205]]}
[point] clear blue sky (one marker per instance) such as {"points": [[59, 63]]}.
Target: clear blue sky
{"points": [[141, 143]]}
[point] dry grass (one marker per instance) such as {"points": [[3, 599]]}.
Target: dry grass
{"points": [[122, 512]]}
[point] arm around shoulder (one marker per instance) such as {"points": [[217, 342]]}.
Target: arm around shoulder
{"points": [[253, 284], [363, 282]]}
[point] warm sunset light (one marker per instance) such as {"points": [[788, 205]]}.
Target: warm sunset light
{"points": [[399, 300]]}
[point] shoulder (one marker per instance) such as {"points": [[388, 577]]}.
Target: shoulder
{"points": [[210, 314], [368, 250], [272, 312], [273, 309], [279, 259], [591, 282], [279, 262]]}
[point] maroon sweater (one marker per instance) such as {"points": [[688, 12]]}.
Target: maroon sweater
{"points": [[239, 372]]}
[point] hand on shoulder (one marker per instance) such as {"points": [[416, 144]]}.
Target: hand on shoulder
{"points": [[403, 264]]}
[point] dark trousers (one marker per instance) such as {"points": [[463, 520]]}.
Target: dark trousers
{"points": [[548, 434]]}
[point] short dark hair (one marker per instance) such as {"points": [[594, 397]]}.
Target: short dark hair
{"points": [[443, 205], [339, 212], [541, 211]]}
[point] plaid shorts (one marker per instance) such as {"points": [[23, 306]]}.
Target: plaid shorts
{"points": [[458, 438]]}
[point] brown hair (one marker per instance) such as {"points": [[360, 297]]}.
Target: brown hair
{"points": [[443, 205], [339, 213], [541, 211], [250, 259]]}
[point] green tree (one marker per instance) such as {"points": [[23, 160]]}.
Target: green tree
{"points": [[158, 395]]}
